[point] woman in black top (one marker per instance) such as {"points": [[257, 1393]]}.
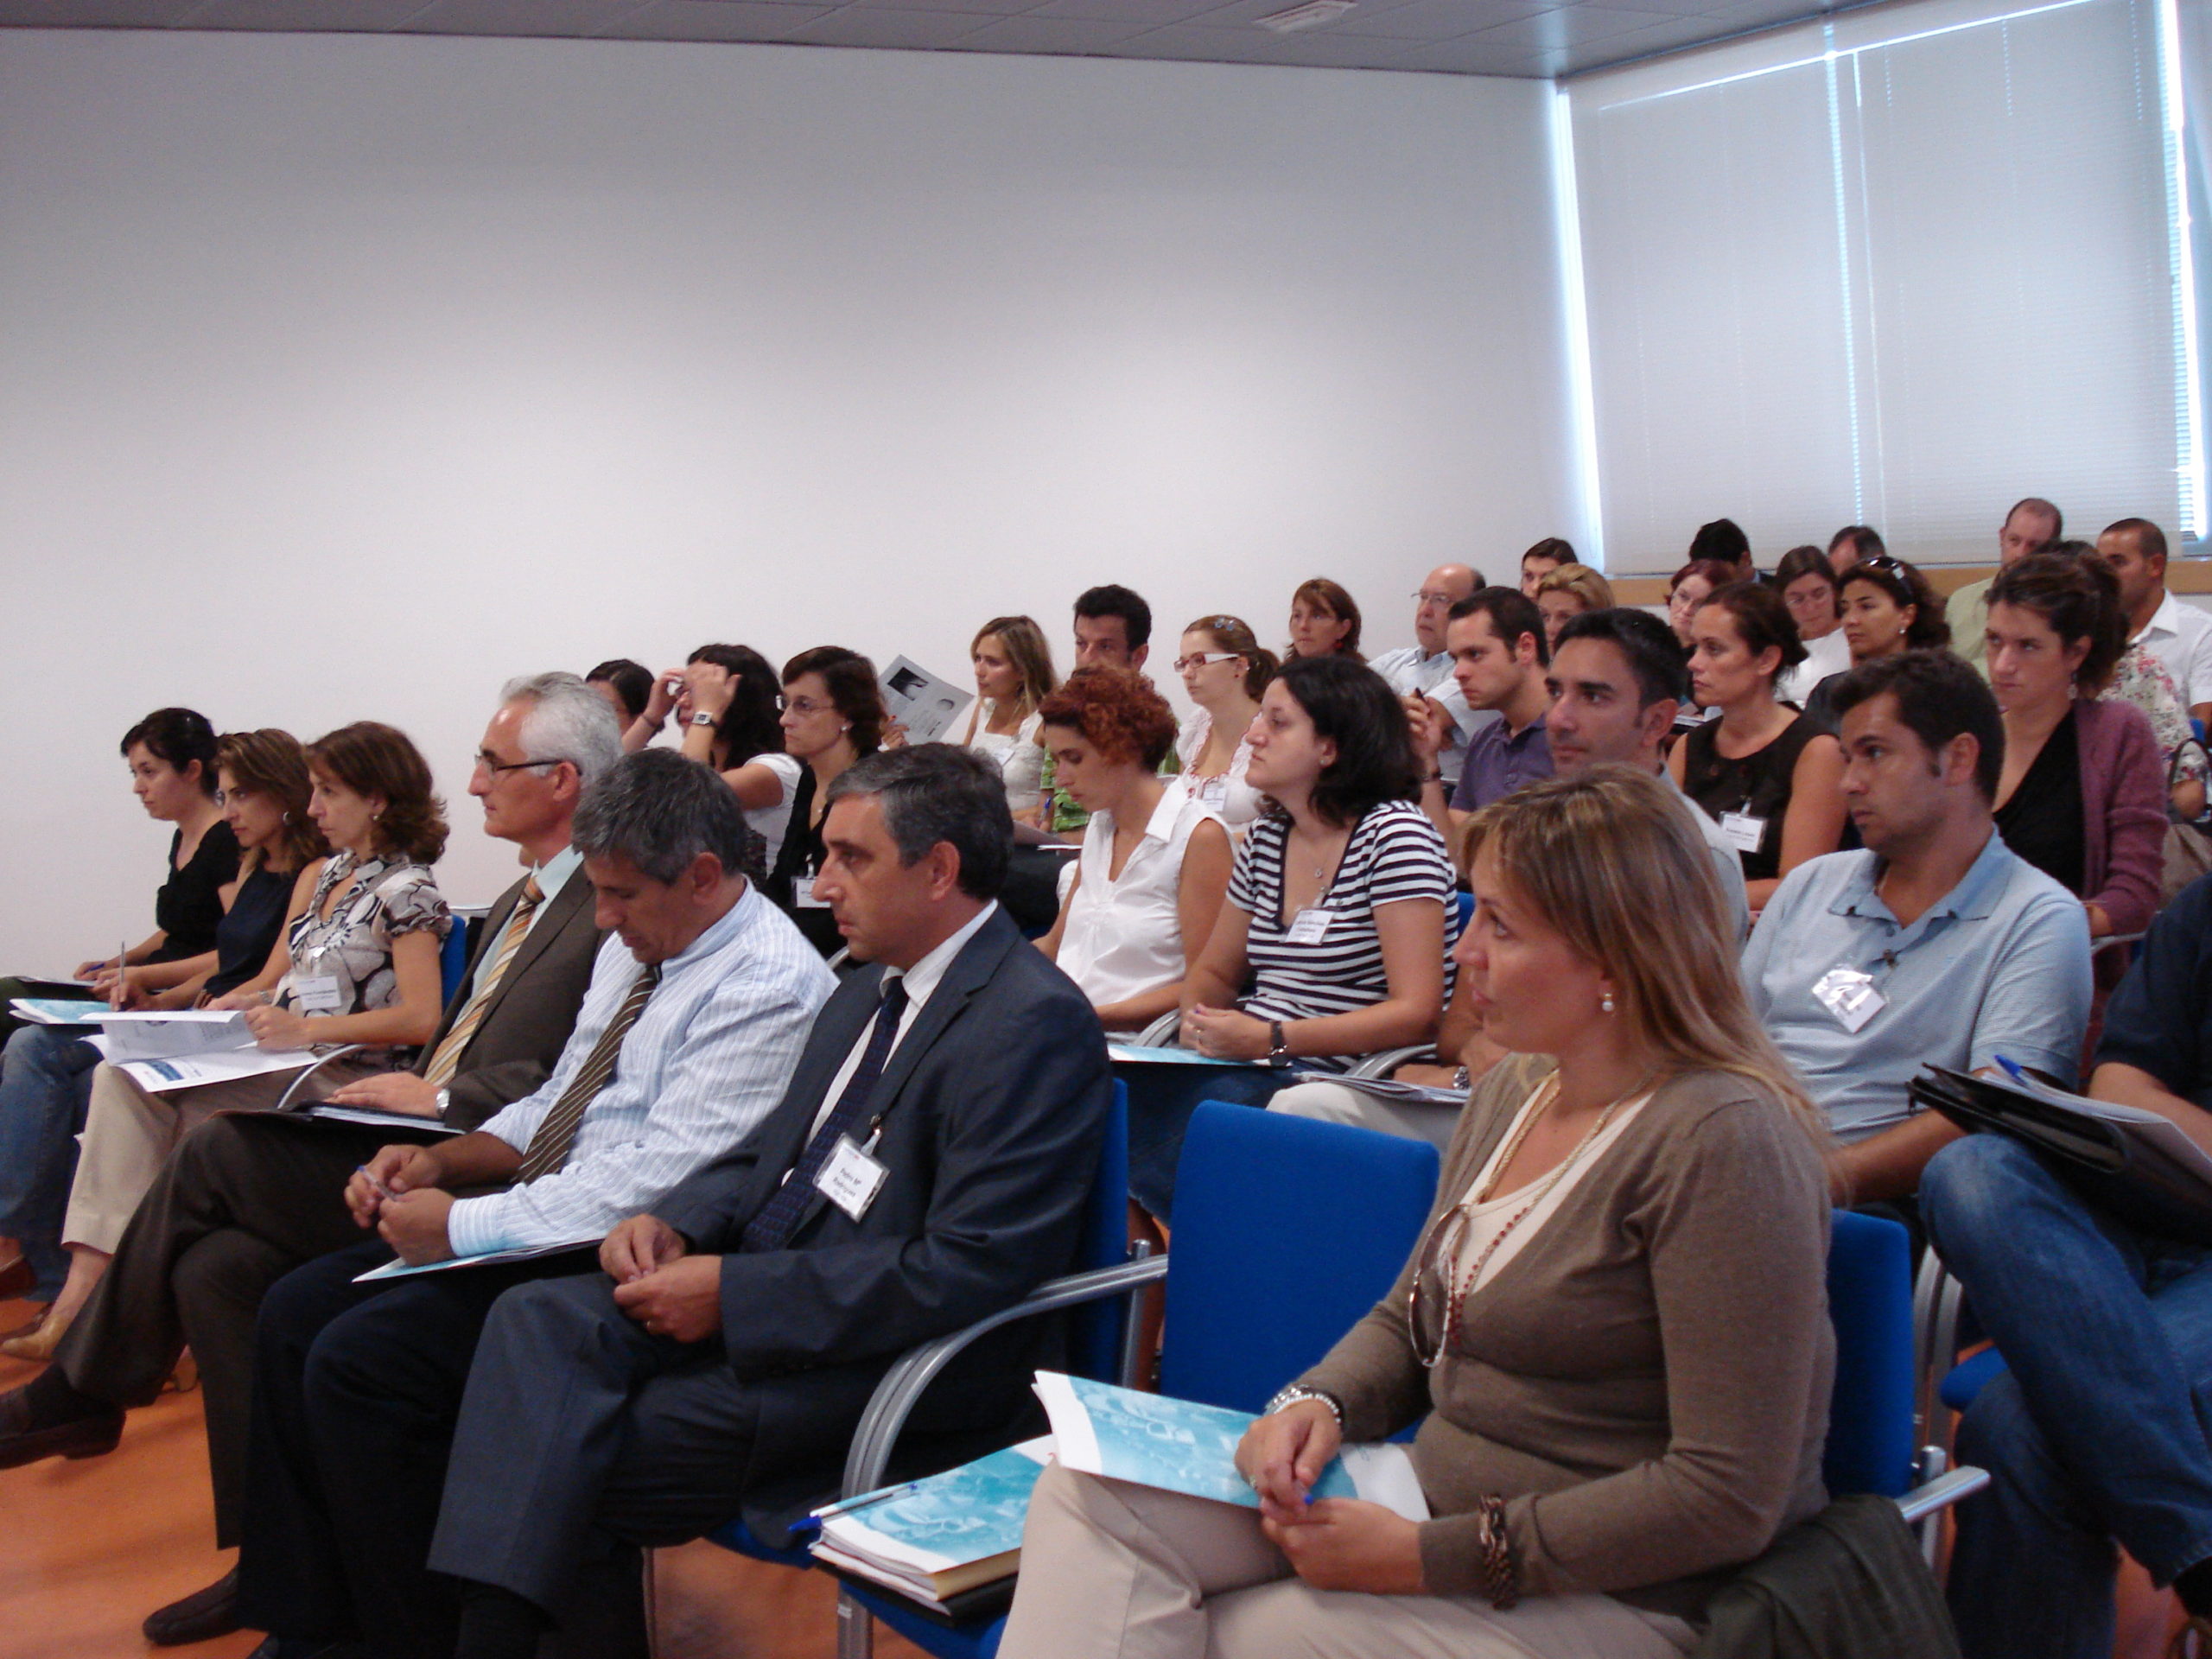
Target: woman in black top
{"points": [[1770, 776], [833, 715], [1888, 609]]}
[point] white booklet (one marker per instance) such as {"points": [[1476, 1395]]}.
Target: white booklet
{"points": [[56, 1011], [925, 705], [396, 1269], [1135, 1054], [933, 1538], [164, 1034], [1179, 1445], [221, 1065]]}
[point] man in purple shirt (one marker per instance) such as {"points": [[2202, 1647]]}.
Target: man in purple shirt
{"points": [[1495, 639]]}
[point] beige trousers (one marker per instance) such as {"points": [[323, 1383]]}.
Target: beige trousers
{"points": [[1338, 1102], [1109, 1568], [129, 1132]]}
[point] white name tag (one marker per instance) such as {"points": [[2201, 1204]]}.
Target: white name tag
{"points": [[850, 1180], [1850, 996], [1743, 831], [316, 993], [1310, 925], [804, 888]]}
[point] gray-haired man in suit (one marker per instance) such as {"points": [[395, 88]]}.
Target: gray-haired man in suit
{"points": [[249, 1197]]}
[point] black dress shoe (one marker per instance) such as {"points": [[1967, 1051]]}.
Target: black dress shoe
{"points": [[24, 1441], [200, 1617]]}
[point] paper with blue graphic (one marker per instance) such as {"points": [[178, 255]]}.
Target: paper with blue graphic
{"points": [[57, 1011], [1132, 1054], [965, 1515], [1178, 1445]]}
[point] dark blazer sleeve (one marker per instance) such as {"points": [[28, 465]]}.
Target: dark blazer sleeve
{"points": [[1009, 1107], [518, 1043]]}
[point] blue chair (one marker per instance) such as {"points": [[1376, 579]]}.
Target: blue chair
{"points": [[453, 961], [1287, 1232], [1096, 1342]]}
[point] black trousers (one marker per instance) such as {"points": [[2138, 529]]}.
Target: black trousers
{"points": [[246, 1198], [355, 1392]]}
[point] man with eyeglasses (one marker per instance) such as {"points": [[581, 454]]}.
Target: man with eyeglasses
{"points": [[1421, 673], [248, 1196]]}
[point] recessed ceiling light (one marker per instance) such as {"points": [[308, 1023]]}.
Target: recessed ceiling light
{"points": [[1312, 15]]}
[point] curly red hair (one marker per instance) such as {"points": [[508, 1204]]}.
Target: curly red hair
{"points": [[1117, 712]]}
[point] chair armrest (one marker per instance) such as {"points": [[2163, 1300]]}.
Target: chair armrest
{"points": [[903, 1384], [285, 1101], [1941, 1492], [2111, 939], [1937, 1299], [1383, 1062]]}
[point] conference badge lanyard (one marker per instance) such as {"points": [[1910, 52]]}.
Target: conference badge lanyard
{"points": [[1848, 993], [803, 890], [849, 1178], [1744, 833]]}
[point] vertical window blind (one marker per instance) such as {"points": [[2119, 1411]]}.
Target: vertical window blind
{"points": [[1900, 266]]}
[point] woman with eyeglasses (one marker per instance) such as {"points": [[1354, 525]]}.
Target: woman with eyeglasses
{"points": [[1888, 608], [731, 706], [356, 963], [1618, 1401], [1224, 669], [1807, 583], [1014, 675], [833, 715]]}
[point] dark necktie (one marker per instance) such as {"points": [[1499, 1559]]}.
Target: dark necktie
{"points": [[773, 1227], [557, 1133]]}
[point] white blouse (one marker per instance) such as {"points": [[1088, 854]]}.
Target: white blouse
{"points": [[1829, 654], [770, 822], [1125, 937], [1227, 795], [1019, 758]]}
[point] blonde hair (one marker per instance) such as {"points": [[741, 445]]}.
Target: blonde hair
{"points": [[1030, 654], [1585, 583], [1612, 862]]}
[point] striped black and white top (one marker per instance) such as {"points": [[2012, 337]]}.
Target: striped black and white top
{"points": [[1394, 854]]}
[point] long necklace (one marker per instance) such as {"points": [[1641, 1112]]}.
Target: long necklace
{"points": [[1458, 1215]]}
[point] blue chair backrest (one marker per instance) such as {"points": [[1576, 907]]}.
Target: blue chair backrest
{"points": [[1096, 1350], [453, 961], [1287, 1232], [1870, 1302]]}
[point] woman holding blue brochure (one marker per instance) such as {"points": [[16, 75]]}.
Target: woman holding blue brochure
{"points": [[1618, 1400]]}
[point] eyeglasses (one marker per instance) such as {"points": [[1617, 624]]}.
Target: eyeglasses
{"points": [[804, 706], [1185, 664], [1428, 597], [486, 761]]}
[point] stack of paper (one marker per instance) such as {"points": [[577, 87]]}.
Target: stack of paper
{"points": [[165, 1049], [933, 1540]]}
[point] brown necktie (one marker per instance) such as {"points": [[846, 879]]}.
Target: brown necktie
{"points": [[548, 1147], [445, 1059]]}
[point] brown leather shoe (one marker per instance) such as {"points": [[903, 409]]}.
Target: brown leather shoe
{"points": [[200, 1617], [40, 1342], [90, 1436]]}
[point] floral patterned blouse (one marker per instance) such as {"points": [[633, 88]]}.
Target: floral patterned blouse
{"points": [[2142, 680], [390, 897]]}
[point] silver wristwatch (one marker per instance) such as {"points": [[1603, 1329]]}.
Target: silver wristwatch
{"points": [[445, 1102], [1295, 1392], [701, 717]]}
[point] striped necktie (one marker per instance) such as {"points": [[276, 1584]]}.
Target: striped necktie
{"points": [[548, 1147], [445, 1060], [779, 1219]]}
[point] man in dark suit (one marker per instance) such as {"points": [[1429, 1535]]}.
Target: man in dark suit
{"points": [[249, 1197], [927, 1165]]}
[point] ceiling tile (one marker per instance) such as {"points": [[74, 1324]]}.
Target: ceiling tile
{"points": [[1033, 34], [1436, 20], [90, 13], [563, 18], [880, 27], [982, 7], [1186, 43], [714, 20], [1324, 48], [1141, 13], [1569, 26], [372, 16], [1472, 55]]}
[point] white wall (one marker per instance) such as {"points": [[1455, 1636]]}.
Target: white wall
{"points": [[344, 377]]}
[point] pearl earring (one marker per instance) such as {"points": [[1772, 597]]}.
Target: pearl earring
{"points": [[1605, 1002]]}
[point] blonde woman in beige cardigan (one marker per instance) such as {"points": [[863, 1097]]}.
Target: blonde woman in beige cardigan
{"points": [[1614, 1333]]}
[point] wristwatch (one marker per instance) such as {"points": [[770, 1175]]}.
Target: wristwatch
{"points": [[445, 1102], [1278, 1045], [1295, 1393], [1463, 1078], [701, 717]]}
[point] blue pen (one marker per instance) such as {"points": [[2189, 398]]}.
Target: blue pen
{"points": [[2011, 1069]]}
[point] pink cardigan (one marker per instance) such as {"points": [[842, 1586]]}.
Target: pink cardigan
{"points": [[2123, 812]]}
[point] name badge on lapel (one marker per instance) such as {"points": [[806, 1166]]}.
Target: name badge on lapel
{"points": [[317, 994], [1743, 831], [1309, 926], [1850, 996], [851, 1179]]}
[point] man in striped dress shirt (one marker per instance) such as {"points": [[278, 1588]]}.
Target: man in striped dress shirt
{"points": [[698, 1009]]}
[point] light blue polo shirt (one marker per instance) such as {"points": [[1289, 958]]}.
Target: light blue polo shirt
{"points": [[2000, 965]]}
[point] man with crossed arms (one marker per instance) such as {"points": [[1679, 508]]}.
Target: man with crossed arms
{"points": [[248, 1196], [696, 1013]]}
